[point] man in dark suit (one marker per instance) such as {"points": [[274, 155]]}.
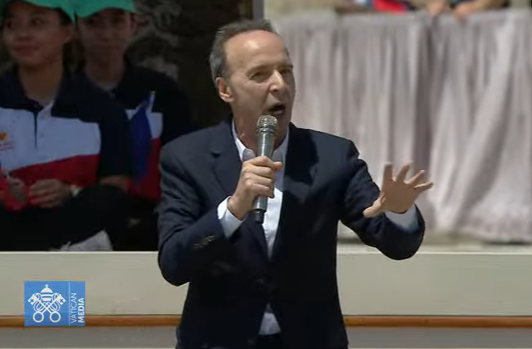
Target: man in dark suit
{"points": [[271, 285]]}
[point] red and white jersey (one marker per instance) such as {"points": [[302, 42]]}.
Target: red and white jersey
{"points": [[78, 138]]}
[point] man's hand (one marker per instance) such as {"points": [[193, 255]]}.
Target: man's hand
{"points": [[398, 195], [256, 179], [49, 193]]}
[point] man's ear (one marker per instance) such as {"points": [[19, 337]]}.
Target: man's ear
{"points": [[224, 91]]}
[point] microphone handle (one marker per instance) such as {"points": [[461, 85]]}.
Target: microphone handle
{"points": [[265, 141]]}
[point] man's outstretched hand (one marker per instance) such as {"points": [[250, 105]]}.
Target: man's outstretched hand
{"points": [[397, 194]]}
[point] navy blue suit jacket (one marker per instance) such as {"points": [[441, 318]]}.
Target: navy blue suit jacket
{"points": [[232, 280]]}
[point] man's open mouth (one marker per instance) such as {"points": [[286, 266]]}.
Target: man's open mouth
{"points": [[277, 109]]}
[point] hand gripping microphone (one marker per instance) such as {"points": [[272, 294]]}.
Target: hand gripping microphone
{"points": [[265, 132]]}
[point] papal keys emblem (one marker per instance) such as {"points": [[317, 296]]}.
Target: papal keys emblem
{"points": [[46, 302]]}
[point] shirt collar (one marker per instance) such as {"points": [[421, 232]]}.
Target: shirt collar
{"points": [[12, 94], [279, 154]]}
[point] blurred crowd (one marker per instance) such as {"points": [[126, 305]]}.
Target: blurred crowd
{"points": [[459, 8]]}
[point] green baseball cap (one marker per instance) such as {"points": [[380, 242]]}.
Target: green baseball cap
{"points": [[64, 5], [86, 8]]}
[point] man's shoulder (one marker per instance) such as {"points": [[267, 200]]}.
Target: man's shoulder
{"points": [[323, 139]]}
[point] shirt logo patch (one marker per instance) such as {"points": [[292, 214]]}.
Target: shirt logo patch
{"points": [[5, 143]]}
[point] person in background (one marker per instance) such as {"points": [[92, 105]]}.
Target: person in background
{"points": [[346, 7], [459, 8], [157, 108], [463, 8], [64, 146]]}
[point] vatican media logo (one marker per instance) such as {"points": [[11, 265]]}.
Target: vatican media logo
{"points": [[54, 303]]}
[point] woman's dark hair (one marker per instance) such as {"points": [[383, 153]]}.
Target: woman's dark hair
{"points": [[71, 54]]}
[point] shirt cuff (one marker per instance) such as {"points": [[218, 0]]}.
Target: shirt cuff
{"points": [[407, 221], [229, 222]]}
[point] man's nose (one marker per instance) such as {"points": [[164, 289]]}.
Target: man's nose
{"points": [[278, 82]]}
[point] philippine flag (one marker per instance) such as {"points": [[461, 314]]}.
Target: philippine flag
{"points": [[141, 136]]}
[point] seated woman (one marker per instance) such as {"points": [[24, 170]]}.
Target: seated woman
{"points": [[64, 144], [157, 109]]}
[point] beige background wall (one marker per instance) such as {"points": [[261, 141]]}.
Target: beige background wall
{"points": [[431, 283]]}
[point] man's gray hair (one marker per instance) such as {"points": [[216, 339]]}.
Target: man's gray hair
{"points": [[217, 58]]}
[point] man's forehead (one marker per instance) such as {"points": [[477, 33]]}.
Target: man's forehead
{"points": [[255, 44], [254, 37]]}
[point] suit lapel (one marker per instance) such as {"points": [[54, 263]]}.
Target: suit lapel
{"points": [[301, 167], [227, 167]]}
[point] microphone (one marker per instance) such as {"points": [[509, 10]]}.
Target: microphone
{"points": [[265, 132]]}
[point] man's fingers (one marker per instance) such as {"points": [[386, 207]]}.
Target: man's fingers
{"points": [[402, 172], [263, 166], [388, 173], [374, 210], [261, 180], [261, 171], [259, 186], [425, 186], [262, 161], [262, 190], [416, 179], [371, 212]]}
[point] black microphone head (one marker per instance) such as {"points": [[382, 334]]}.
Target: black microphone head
{"points": [[267, 123]]}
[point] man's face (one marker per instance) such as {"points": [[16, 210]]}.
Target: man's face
{"points": [[106, 35], [259, 81]]}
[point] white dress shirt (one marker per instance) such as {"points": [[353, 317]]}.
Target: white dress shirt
{"points": [[230, 223]]}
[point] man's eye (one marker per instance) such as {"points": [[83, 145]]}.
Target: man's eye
{"points": [[259, 75]]}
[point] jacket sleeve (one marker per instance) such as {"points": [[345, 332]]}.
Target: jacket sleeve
{"points": [[380, 232], [189, 238]]}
